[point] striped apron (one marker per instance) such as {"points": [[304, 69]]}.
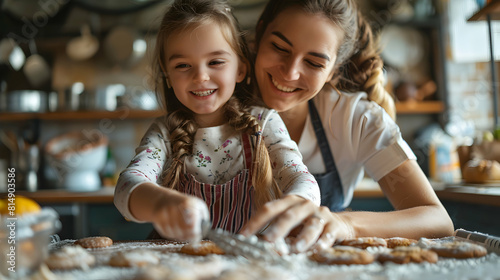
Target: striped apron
{"points": [[230, 204]]}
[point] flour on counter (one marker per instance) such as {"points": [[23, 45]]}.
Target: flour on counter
{"points": [[295, 267]]}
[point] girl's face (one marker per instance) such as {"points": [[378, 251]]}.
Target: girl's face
{"points": [[203, 70], [296, 57]]}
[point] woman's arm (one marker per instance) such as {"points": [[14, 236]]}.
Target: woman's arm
{"points": [[419, 213]]}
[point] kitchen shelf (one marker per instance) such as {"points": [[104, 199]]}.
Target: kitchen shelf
{"points": [[424, 107], [83, 115], [492, 10]]}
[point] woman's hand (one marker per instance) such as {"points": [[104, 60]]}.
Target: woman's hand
{"points": [[179, 216], [316, 227]]}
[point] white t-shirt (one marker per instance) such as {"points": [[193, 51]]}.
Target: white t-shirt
{"points": [[361, 135], [218, 156]]}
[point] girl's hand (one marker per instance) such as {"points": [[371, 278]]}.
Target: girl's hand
{"points": [[316, 227], [179, 217]]}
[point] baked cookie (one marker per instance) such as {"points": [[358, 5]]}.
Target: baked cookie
{"points": [[134, 258], [394, 242], [342, 255], [407, 254], [202, 248], [364, 242], [458, 249], [70, 257], [94, 242]]}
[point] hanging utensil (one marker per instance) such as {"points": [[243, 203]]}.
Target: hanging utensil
{"points": [[124, 46], [83, 47], [11, 54], [36, 69]]}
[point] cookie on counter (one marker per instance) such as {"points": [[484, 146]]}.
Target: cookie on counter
{"points": [[94, 242], [394, 242], [202, 248], [134, 258], [408, 254], [70, 257], [458, 249], [342, 255], [364, 242]]}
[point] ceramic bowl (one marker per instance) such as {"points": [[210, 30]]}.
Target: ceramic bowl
{"points": [[77, 158]]}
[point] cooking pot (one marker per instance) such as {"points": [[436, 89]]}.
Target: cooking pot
{"points": [[20, 101]]}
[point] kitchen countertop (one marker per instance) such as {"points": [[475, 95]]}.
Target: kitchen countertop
{"points": [[295, 266], [488, 194]]}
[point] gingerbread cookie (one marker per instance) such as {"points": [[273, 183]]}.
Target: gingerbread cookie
{"points": [[94, 242], [407, 254], [70, 257], [458, 249], [202, 248], [394, 242], [364, 242], [342, 255], [134, 258]]}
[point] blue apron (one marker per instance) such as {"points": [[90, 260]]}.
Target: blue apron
{"points": [[332, 193]]}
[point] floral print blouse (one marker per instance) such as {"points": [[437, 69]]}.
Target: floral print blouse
{"points": [[217, 157]]}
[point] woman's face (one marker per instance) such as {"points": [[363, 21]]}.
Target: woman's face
{"points": [[295, 58]]}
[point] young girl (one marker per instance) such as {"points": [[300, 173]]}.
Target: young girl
{"points": [[212, 156]]}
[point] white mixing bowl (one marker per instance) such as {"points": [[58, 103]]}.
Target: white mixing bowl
{"points": [[78, 157]]}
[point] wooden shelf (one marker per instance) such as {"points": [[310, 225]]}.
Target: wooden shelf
{"points": [[424, 107], [82, 115], [492, 9]]}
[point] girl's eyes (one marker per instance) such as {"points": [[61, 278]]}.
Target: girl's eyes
{"points": [[184, 66], [216, 62], [310, 62], [181, 66]]}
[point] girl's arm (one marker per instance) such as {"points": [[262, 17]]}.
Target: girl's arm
{"points": [[140, 198], [174, 215]]}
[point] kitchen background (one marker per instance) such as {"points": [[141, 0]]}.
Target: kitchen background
{"points": [[83, 66]]}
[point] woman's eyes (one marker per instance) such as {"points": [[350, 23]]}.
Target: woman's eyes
{"points": [[315, 65], [279, 48], [310, 62]]}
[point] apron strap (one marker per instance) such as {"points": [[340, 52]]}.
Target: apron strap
{"points": [[330, 185], [321, 137]]}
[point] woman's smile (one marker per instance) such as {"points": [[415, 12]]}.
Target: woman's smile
{"points": [[282, 87]]}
